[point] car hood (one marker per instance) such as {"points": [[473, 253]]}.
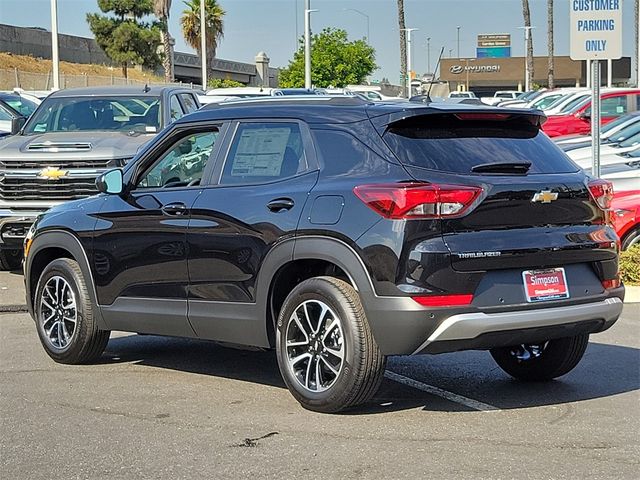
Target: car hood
{"points": [[84, 145]]}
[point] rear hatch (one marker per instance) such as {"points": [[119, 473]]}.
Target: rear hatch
{"points": [[537, 209]]}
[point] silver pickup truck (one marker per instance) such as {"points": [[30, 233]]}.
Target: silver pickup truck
{"points": [[73, 136]]}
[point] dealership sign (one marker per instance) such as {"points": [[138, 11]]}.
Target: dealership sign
{"points": [[596, 29], [457, 69], [495, 45]]}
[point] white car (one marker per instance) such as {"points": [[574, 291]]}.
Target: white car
{"points": [[501, 96], [462, 95], [609, 154], [623, 170], [373, 92], [615, 127]]}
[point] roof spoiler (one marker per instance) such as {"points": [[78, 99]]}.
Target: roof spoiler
{"points": [[382, 122]]}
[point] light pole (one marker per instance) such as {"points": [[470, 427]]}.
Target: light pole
{"points": [[364, 15], [408, 72], [307, 43], [203, 43], [54, 45], [429, 55], [450, 52], [458, 28]]}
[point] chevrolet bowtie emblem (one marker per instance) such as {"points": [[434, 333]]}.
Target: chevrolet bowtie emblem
{"points": [[545, 196], [53, 173]]}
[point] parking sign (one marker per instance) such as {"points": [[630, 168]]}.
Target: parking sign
{"points": [[596, 29]]}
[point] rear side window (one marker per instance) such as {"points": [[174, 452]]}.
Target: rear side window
{"points": [[188, 102], [448, 144]]}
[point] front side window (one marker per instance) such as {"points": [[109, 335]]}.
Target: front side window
{"points": [[109, 113], [183, 164], [188, 102], [21, 105], [264, 152], [175, 108]]}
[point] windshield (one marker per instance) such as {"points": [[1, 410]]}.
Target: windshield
{"points": [[626, 132], [632, 141], [74, 114], [21, 105], [575, 103], [546, 101], [630, 119]]}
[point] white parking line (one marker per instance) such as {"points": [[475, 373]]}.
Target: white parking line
{"points": [[452, 397]]}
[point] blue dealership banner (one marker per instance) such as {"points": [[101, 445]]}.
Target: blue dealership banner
{"points": [[493, 52]]}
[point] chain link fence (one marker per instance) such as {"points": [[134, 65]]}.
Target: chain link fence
{"points": [[10, 79]]}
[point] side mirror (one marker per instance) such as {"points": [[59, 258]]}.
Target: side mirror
{"points": [[17, 123], [110, 182], [584, 116]]}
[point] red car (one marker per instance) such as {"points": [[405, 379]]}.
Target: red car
{"points": [[612, 105], [625, 208]]}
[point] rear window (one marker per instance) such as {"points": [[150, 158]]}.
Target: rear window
{"points": [[448, 144]]}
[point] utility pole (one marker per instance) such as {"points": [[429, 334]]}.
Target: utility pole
{"points": [[54, 45], [429, 55], [307, 43], [458, 28], [408, 72], [203, 43]]}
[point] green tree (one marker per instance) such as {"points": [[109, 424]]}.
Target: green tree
{"points": [[335, 61], [124, 38], [190, 22], [224, 83]]}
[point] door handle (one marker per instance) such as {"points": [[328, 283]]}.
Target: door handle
{"points": [[280, 204], [177, 208]]}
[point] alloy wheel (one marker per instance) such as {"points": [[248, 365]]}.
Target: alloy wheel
{"points": [[315, 345], [58, 313]]}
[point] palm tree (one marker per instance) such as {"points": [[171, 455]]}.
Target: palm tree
{"points": [[403, 46], [550, 40], [190, 22], [527, 24], [161, 9]]}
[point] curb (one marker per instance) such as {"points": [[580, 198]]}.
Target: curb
{"points": [[631, 294], [13, 309]]}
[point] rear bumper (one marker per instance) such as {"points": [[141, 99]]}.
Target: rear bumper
{"points": [[400, 327]]}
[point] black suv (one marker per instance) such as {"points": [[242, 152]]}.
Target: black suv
{"points": [[337, 232]]}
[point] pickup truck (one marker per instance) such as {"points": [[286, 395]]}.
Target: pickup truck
{"points": [[501, 96], [71, 138]]}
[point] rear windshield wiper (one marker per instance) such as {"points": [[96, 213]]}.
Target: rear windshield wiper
{"points": [[508, 168]]}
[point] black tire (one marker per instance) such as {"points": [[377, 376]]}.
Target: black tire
{"points": [[631, 238], [87, 341], [363, 365], [10, 259], [557, 358]]}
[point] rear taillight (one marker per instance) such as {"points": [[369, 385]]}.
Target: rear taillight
{"points": [[612, 283], [602, 192], [417, 200], [453, 300]]}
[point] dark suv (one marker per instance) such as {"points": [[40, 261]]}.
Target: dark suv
{"points": [[338, 232]]}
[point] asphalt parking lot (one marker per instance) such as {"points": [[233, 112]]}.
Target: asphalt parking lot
{"points": [[172, 408]]}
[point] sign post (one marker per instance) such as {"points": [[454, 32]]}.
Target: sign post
{"points": [[595, 34]]}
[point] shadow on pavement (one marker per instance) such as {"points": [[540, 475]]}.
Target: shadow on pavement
{"points": [[606, 370]]}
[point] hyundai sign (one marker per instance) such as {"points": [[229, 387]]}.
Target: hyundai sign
{"points": [[596, 29]]}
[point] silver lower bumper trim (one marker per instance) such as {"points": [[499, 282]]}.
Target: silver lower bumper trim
{"points": [[466, 326]]}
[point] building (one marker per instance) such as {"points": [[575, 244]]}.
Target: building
{"points": [[486, 75]]}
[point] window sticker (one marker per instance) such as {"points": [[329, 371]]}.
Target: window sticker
{"points": [[260, 152]]}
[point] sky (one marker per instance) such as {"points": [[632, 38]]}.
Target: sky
{"points": [[272, 25]]}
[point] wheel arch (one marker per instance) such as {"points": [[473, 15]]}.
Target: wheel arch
{"points": [[303, 258], [49, 246]]}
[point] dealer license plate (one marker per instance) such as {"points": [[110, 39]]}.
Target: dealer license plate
{"points": [[541, 285]]}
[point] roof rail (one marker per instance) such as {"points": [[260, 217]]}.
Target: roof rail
{"points": [[290, 100]]}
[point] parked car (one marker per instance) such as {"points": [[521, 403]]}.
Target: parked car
{"points": [[523, 99], [625, 208], [624, 176], [612, 105], [609, 152], [373, 92], [73, 136], [25, 105], [575, 140], [462, 95], [501, 96], [338, 232]]}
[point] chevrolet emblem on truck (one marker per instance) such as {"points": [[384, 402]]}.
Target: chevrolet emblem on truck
{"points": [[545, 196], [53, 173]]}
